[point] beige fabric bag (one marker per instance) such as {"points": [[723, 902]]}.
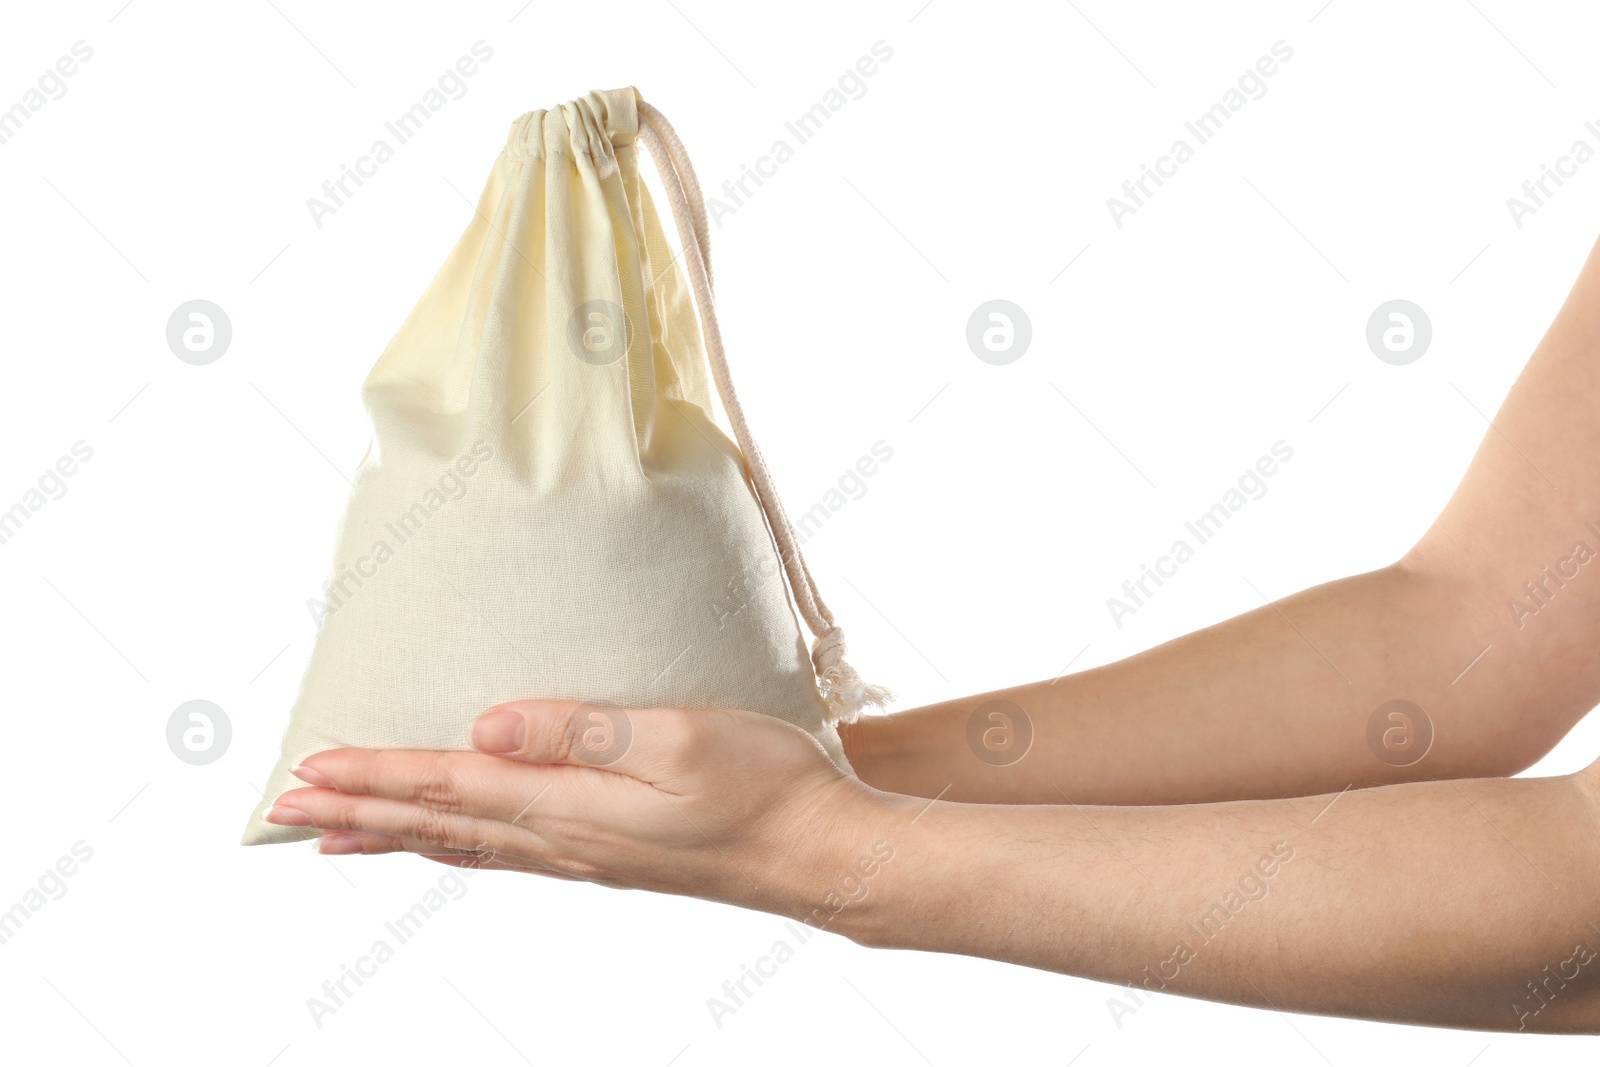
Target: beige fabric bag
{"points": [[548, 508]]}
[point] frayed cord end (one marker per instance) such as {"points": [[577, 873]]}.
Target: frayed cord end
{"points": [[843, 691]]}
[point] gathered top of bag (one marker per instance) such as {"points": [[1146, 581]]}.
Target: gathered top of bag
{"points": [[593, 125]]}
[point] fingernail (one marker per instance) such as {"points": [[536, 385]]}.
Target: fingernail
{"points": [[339, 844], [312, 776], [287, 816], [499, 731]]}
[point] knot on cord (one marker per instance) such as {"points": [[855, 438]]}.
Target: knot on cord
{"points": [[843, 691]]}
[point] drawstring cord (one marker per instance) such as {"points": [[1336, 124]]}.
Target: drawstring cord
{"points": [[843, 690]]}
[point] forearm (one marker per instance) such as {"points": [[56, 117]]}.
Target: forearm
{"points": [[1272, 703], [1471, 904]]}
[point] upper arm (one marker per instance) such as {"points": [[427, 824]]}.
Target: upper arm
{"points": [[1520, 538]]}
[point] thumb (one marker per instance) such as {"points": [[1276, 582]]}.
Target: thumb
{"points": [[553, 731]]}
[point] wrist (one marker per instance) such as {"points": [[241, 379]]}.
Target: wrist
{"points": [[828, 872]]}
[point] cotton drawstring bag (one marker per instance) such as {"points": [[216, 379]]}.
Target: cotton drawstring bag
{"points": [[548, 508]]}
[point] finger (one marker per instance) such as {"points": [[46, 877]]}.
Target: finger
{"points": [[328, 809], [495, 865], [647, 744], [462, 783], [354, 842], [359, 842]]}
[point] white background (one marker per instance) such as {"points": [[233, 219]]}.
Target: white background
{"points": [[1225, 315]]}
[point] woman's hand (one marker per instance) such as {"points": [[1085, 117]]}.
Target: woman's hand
{"points": [[725, 805]]}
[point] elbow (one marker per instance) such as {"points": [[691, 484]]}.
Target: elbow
{"points": [[1529, 689]]}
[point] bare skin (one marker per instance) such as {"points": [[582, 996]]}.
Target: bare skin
{"points": [[1206, 818]]}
